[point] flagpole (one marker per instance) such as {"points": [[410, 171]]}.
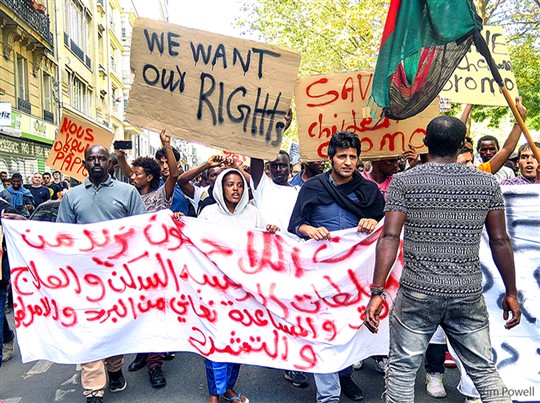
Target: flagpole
{"points": [[483, 49], [520, 122]]}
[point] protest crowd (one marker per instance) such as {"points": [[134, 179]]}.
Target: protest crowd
{"points": [[429, 209]]}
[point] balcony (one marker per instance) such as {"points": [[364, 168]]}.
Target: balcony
{"points": [[38, 21], [24, 106], [48, 116]]}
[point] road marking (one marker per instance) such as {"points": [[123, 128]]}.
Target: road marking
{"points": [[73, 380], [39, 368], [61, 393], [12, 400]]}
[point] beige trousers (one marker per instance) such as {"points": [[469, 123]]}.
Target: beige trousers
{"points": [[93, 376]]}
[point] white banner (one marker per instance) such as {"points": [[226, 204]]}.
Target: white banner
{"points": [[149, 283], [516, 351]]}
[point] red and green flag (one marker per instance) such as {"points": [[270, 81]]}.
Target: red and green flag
{"points": [[422, 44]]}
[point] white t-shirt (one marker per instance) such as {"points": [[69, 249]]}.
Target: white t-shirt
{"points": [[275, 202], [198, 192], [504, 173]]}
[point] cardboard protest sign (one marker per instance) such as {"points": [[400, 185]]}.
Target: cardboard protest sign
{"points": [[472, 81], [329, 103], [220, 91], [75, 135]]}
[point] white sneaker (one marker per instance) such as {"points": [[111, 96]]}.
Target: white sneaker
{"points": [[472, 400], [358, 365], [434, 385]]}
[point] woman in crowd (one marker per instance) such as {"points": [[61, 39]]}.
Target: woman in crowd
{"points": [[232, 207]]}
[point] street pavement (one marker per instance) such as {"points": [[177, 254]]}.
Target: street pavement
{"points": [[43, 381]]}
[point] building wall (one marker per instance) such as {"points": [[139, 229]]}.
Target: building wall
{"points": [[77, 59]]}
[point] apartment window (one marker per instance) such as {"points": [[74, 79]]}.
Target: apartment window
{"points": [[76, 24], [81, 95], [22, 78], [47, 92]]}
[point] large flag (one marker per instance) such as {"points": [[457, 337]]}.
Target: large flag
{"points": [[423, 42]]}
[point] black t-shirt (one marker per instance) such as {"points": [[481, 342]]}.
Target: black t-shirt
{"points": [[41, 194], [55, 188]]}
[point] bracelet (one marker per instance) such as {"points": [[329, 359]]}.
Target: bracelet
{"points": [[379, 294], [376, 290]]}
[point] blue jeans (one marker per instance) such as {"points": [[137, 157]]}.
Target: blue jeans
{"points": [[413, 320], [328, 386], [221, 376]]}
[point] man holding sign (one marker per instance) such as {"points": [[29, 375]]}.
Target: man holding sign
{"points": [[98, 199]]}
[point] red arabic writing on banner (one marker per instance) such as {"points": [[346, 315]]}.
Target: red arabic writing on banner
{"points": [[262, 294]]}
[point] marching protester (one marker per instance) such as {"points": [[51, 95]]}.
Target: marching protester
{"points": [[231, 207], [145, 176], [19, 197], [528, 167], [309, 170], [57, 179], [436, 354], [54, 189], [202, 196], [40, 193], [493, 158], [337, 199], [433, 277], [116, 199]]}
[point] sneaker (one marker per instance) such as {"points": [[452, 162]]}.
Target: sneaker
{"points": [[434, 385], [298, 379], [350, 389], [157, 379], [449, 361], [8, 349], [168, 356], [117, 382], [357, 366], [380, 364]]}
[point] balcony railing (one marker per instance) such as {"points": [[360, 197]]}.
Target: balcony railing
{"points": [[24, 106], [35, 19], [48, 116]]}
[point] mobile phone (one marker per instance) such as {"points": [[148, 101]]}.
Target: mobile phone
{"points": [[123, 145]]}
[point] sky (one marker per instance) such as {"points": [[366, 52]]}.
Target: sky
{"points": [[217, 16]]}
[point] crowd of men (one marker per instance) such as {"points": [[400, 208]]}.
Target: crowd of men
{"points": [[322, 197]]}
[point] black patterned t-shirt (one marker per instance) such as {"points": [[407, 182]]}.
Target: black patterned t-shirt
{"points": [[446, 207]]}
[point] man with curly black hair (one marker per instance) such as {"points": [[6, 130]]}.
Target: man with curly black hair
{"points": [[145, 176]]}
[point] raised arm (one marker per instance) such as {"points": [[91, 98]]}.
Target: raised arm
{"points": [[466, 113], [124, 166], [171, 161], [232, 163], [510, 144], [184, 180]]}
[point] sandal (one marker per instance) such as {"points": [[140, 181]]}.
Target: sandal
{"points": [[235, 398]]}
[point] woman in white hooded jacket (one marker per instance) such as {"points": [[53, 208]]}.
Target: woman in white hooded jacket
{"points": [[232, 207]]}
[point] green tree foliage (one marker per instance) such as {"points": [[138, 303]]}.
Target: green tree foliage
{"points": [[333, 36], [344, 35]]}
